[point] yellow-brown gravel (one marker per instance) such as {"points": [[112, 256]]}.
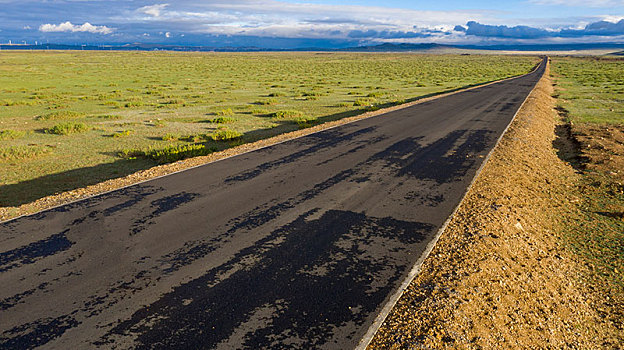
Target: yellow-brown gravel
{"points": [[500, 275]]}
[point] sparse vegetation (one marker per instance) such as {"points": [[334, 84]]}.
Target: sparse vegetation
{"points": [[171, 153], [123, 133], [11, 134], [287, 114], [60, 115], [67, 128], [109, 117], [222, 120], [269, 101], [591, 89], [364, 102], [303, 122], [159, 93], [170, 137], [589, 93], [225, 112], [226, 135], [13, 153]]}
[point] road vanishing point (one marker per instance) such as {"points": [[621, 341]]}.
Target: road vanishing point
{"points": [[296, 245]]}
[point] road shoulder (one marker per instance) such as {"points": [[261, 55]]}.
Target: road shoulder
{"points": [[501, 275]]}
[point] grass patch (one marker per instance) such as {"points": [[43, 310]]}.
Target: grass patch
{"points": [[124, 133], [68, 128], [11, 134], [159, 123], [108, 116], [13, 153], [225, 112], [258, 111], [169, 154], [303, 122], [364, 102], [267, 102], [221, 120], [60, 115], [170, 137], [226, 135], [286, 114]]}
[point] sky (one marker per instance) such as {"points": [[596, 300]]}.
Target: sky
{"points": [[311, 23]]}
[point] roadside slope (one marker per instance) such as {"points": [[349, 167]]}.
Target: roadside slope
{"points": [[500, 276]]}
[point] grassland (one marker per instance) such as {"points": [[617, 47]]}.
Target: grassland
{"points": [[591, 89], [70, 119], [590, 94]]}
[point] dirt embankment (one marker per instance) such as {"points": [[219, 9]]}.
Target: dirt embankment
{"points": [[501, 275]]}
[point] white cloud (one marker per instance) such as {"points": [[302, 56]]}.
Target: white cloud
{"points": [[168, 35], [69, 27], [297, 20], [153, 10]]}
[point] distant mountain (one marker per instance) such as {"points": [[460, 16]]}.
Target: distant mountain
{"points": [[129, 47], [389, 47], [544, 47], [386, 47]]}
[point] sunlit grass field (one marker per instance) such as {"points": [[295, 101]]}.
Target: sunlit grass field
{"points": [[591, 96], [70, 119], [591, 89]]}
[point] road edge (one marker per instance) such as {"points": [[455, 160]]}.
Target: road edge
{"points": [[417, 268]]}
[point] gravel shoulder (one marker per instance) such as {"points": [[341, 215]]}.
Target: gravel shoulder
{"points": [[501, 275]]}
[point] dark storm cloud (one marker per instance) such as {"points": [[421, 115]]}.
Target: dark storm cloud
{"points": [[601, 28]]}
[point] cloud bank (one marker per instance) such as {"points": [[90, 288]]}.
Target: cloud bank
{"points": [[295, 23], [600, 28], [69, 27]]}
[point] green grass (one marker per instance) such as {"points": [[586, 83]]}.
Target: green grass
{"points": [[13, 153], [287, 114], [590, 92], [159, 93], [124, 133], [108, 117], [67, 128], [225, 112], [170, 137], [591, 89], [169, 154], [222, 120], [225, 135], [60, 115], [11, 134]]}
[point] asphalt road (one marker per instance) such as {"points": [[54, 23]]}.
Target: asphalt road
{"points": [[298, 245]]}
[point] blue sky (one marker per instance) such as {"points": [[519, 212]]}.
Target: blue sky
{"points": [[305, 23]]}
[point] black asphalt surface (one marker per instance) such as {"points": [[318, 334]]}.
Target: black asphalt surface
{"points": [[298, 245]]}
